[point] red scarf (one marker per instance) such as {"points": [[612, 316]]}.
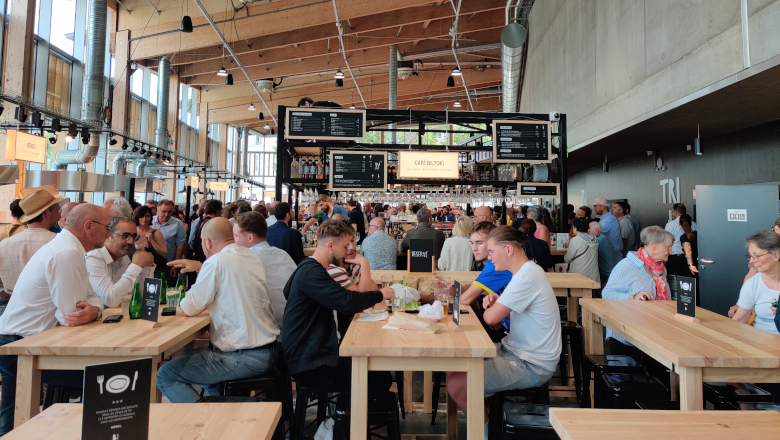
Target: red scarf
{"points": [[661, 287]]}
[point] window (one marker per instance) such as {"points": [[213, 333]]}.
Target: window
{"points": [[63, 24], [262, 161], [37, 16], [113, 67], [152, 127], [135, 117], [153, 89], [137, 82], [58, 83]]}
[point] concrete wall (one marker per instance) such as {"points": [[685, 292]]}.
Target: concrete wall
{"points": [[606, 62], [749, 156]]}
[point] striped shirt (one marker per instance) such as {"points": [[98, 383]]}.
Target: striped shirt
{"points": [[629, 277], [674, 228], [345, 277]]}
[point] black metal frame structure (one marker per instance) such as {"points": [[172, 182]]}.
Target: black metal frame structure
{"points": [[380, 120]]}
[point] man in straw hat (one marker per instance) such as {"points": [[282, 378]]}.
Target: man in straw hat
{"points": [[53, 289], [41, 213]]}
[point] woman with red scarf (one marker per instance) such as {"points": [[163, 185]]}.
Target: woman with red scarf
{"points": [[640, 276]]}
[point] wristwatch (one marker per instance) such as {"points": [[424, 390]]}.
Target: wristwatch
{"points": [[99, 315]]}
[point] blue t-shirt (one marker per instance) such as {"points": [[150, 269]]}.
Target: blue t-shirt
{"points": [[494, 282], [338, 209]]}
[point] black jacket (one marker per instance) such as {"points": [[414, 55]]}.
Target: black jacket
{"points": [[309, 330]]}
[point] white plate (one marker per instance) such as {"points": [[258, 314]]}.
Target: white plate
{"points": [[117, 384]]}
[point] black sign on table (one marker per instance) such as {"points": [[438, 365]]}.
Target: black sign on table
{"points": [[456, 303], [116, 400], [420, 255], [151, 304], [529, 189], [686, 296], [358, 170], [325, 124], [521, 142]]}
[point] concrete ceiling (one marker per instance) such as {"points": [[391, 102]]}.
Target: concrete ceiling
{"points": [[747, 99]]}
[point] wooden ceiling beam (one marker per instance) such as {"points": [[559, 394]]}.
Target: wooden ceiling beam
{"points": [[361, 27], [484, 27], [258, 20]]}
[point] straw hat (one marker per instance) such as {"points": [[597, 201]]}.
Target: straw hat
{"points": [[35, 203]]}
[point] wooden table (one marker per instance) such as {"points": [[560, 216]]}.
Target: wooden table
{"points": [[717, 349], [557, 252], [622, 424], [73, 348], [373, 348], [167, 421], [572, 286]]}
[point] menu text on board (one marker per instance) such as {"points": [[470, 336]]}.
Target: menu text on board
{"points": [[521, 141], [336, 124], [358, 170]]}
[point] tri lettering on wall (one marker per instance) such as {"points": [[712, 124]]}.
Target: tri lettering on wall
{"points": [[672, 187]]}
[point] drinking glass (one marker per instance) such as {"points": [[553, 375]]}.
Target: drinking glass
{"points": [[172, 295], [126, 306], [387, 280], [442, 295], [399, 303]]}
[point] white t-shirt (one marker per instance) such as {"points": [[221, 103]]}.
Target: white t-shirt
{"points": [[535, 330], [756, 296]]}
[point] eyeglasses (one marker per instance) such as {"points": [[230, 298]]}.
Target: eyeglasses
{"points": [[126, 236], [108, 228], [490, 253], [755, 257]]}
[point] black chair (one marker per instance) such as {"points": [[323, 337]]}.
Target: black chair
{"points": [[323, 397], [571, 333], [721, 394], [662, 405], [382, 412], [58, 394], [399, 384], [754, 406], [536, 396], [623, 390], [526, 421], [600, 364], [437, 377]]}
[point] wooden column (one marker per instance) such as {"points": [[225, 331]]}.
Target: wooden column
{"points": [[121, 82], [223, 146], [18, 62], [203, 136]]}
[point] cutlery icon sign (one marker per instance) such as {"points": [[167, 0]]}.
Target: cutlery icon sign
{"points": [[100, 382], [135, 377]]}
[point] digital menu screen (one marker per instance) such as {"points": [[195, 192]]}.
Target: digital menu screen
{"points": [[530, 189], [358, 170], [521, 141], [325, 124]]}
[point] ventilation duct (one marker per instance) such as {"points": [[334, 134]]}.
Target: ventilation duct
{"points": [[392, 85], [513, 36], [164, 85], [92, 98]]}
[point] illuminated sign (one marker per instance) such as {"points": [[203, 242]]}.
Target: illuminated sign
{"points": [[427, 165], [219, 186], [25, 146]]}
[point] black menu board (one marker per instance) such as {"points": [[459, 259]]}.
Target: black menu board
{"points": [[521, 142], [531, 189], [686, 296], [116, 400], [456, 303], [325, 124], [358, 170], [151, 304]]}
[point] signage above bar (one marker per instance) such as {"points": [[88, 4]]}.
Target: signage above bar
{"points": [[193, 181], [427, 165], [539, 190], [358, 170], [325, 124], [521, 142], [219, 186], [25, 146]]}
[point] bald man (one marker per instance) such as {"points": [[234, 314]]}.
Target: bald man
{"points": [[380, 249], [243, 330], [66, 208], [483, 214], [53, 289]]}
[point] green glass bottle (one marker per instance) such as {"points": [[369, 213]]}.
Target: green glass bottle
{"points": [[163, 298], [136, 302], [180, 286]]}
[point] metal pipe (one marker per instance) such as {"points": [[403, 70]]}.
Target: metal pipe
{"points": [[454, 34], [392, 85], [745, 34], [344, 53], [92, 100], [163, 89], [235, 58]]}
